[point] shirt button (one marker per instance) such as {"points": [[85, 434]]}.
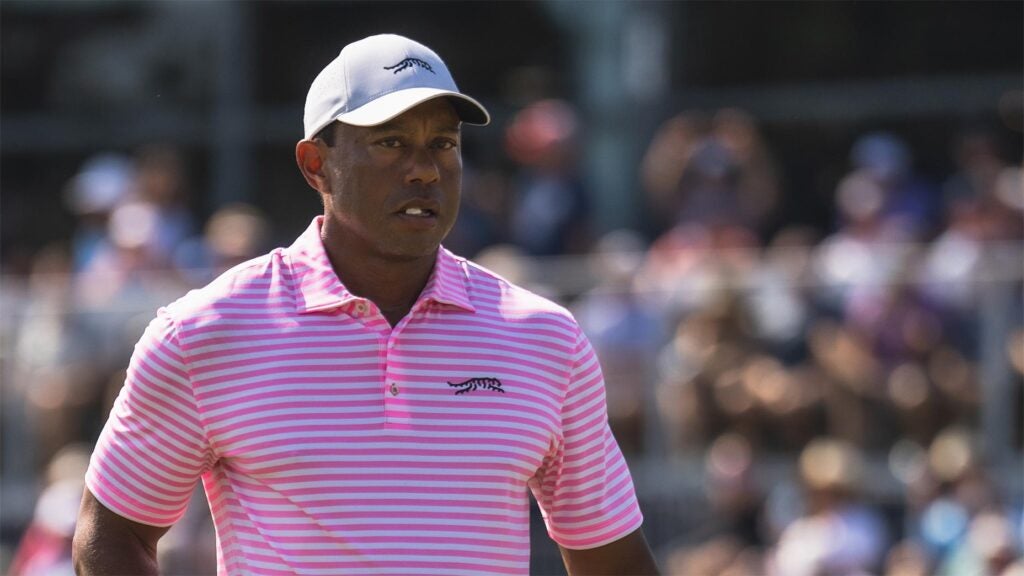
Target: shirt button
{"points": [[394, 389], [361, 308]]}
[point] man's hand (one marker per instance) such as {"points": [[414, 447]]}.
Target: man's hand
{"points": [[107, 543], [628, 556]]}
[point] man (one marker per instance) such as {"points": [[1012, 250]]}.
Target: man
{"points": [[364, 401]]}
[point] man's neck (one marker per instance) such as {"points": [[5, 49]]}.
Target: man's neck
{"points": [[393, 285]]}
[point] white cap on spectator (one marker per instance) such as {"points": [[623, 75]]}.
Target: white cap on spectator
{"points": [[101, 184], [377, 78]]}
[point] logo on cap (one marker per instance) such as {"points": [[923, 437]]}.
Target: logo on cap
{"points": [[409, 63]]}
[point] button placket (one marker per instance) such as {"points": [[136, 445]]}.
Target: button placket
{"points": [[389, 384], [395, 389]]}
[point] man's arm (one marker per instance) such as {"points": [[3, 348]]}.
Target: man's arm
{"points": [[627, 556], [108, 543]]}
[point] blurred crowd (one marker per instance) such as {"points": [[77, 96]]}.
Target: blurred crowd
{"points": [[857, 352]]}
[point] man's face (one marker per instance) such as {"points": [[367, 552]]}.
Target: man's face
{"points": [[394, 188]]}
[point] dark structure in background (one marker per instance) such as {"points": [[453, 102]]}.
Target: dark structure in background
{"points": [[224, 79]]}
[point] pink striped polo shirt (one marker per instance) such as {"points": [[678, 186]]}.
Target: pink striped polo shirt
{"points": [[329, 442]]}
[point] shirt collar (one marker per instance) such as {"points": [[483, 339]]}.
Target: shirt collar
{"points": [[318, 288], [448, 282]]}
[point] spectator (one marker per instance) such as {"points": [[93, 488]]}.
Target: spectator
{"points": [[906, 558], [162, 183], [779, 294], [55, 376], [116, 294], [550, 213], [483, 220], [734, 493], [234, 234], [839, 534], [908, 200], [101, 184], [45, 548], [663, 165], [954, 490], [718, 173], [979, 163], [625, 331]]}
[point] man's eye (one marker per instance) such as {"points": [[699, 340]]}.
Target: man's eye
{"points": [[447, 145], [390, 143]]}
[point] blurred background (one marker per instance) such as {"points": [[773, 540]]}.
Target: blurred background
{"points": [[793, 231]]}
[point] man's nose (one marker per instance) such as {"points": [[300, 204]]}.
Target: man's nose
{"points": [[423, 169]]}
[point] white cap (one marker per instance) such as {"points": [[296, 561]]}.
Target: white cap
{"points": [[100, 185], [377, 78]]}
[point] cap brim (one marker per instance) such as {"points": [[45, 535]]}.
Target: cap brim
{"points": [[388, 106]]}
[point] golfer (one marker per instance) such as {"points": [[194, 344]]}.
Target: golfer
{"points": [[364, 401]]}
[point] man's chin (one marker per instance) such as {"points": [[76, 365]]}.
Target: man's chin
{"points": [[402, 254]]}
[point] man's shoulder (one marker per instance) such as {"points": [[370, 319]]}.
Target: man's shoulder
{"points": [[512, 300], [260, 281]]}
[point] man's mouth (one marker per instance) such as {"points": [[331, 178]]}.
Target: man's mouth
{"points": [[420, 212]]}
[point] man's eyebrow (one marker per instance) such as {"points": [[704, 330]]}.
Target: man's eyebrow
{"points": [[386, 127]]}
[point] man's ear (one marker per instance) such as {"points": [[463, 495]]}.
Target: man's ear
{"points": [[309, 157]]}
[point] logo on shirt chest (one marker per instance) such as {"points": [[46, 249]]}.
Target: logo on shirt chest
{"points": [[474, 384]]}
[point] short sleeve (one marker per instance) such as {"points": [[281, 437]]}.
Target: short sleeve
{"points": [[153, 448], [584, 488]]}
